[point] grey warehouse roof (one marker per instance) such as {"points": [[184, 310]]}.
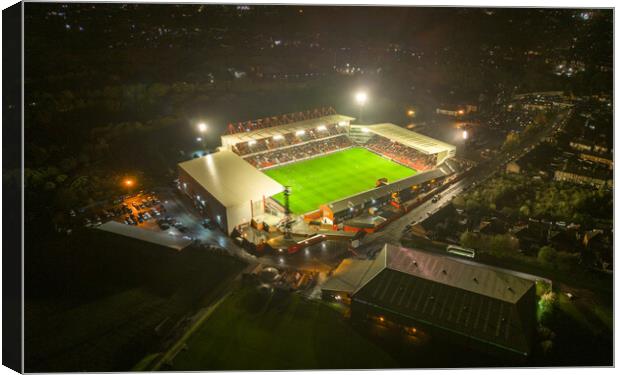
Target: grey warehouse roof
{"points": [[158, 238], [480, 302]]}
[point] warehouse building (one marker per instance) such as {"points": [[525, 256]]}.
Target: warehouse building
{"points": [[471, 304], [227, 188]]}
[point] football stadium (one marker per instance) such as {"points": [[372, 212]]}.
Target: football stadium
{"points": [[331, 167]]}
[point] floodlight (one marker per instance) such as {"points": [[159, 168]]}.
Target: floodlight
{"points": [[361, 97]]}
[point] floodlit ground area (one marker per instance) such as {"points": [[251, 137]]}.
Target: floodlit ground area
{"points": [[251, 330], [328, 178]]}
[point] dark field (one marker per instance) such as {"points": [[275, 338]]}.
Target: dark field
{"points": [[252, 331], [105, 304]]}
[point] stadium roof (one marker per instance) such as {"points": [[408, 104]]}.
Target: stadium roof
{"points": [[158, 238], [230, 179], [231, 139], [471, 299], [444, 169], [417, 141]]}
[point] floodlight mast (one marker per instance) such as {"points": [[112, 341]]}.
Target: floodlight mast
{"points": [[361, 98], [287, 213]]}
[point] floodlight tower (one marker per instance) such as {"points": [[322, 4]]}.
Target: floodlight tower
{"points": [[361, 98], [202, 129], [287, 213]]}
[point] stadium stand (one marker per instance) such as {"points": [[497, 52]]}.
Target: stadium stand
{"points": [[299, 152], [401, 153], [288, 139]]}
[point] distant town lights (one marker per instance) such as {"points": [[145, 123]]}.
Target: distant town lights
{"points": [[465, 135], [202, 127]]}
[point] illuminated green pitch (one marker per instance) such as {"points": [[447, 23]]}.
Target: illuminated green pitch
{"points": [[335, 176]]}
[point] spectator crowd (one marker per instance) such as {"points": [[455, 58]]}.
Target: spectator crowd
{"points": [[401, 153], [303, 151], [288, 139]]}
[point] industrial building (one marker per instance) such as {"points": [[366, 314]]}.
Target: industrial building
{"points": [[229, 189], [475, 305]]}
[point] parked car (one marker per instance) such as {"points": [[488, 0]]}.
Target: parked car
{"points": [[207, 223]]}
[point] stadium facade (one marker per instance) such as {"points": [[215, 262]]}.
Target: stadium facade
{"points": [[233, 190], [478, 306], [230, 190]]}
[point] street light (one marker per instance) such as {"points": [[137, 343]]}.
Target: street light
{"points": [[465, 135], [361, 98], [411, 113]]}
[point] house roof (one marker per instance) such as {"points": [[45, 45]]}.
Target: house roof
{"points": [[230, 179]]}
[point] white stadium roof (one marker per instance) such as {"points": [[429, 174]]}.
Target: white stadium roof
{"points": [[231, 139], [420, 142], [230, 179]]}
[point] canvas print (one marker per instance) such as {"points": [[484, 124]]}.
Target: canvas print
{"points": [[213, 187]]}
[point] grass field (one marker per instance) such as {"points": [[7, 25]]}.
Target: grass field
{"points": [[249, 331], [335, 176]]}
